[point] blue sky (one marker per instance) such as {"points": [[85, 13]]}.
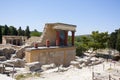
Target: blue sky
{"points": [[88, 15]]}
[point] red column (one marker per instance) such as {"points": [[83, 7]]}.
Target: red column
{"points": [[35, 45], [57, 38], [66, 38], [47, 43], [73, 35]]}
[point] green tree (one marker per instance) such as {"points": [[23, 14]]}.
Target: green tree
{"points": [[13, 30], [80, 49], [99, 40], [112, 40], [118, 41], [5, 30], [77, 38], [23, 32], [85, 40], [20, 31], [27, 32], [94, 45], [0, 34], [82, 44], [35, 33]]}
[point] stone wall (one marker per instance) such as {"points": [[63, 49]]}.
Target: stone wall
{"points": [[15, 40], [50, 34], [62, 55]]}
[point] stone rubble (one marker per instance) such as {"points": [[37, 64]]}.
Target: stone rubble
{"points": [[2, 58], [87, 61], [48, 66], [16, 62], [7, 52], [33, 66]]}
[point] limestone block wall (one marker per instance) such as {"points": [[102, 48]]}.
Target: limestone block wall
{"points": [[15, 40], [51, 55], [50, 34], [3, 40]]}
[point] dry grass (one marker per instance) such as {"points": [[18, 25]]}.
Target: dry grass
{"points": [[27, 75]]}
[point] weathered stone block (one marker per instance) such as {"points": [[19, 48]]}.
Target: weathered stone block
{"points": [[2, 69], [16, 62], [33, 66], [7, 52], [75, 64], [2, 58], [49, 66]]}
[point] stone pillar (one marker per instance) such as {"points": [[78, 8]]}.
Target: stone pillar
{"points": [[57, 38], [73, 36], [12, 41], [7, 41], [16, 42], [66, 38]]}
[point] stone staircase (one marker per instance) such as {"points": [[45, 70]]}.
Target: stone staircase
{"points": [[39, 40], [32, 40]]}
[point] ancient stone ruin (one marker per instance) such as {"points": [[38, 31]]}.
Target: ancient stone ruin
{"points": [[50, 50], [14, 40], [52, 46]]}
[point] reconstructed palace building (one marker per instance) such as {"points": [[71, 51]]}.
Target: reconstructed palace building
{"points": [[53, 45]]}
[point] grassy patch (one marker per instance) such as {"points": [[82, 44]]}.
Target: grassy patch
{"points": [[110, 69], [27, 75]]}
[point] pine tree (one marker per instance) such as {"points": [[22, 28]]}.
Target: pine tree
{"points": [[118, 41], [23, 32], [27, 32], [13, 30], [0, 34], [5, 30], [20, 31], [112, 40]]}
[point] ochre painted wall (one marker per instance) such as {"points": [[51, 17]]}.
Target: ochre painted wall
{"points": [[51, 55]]}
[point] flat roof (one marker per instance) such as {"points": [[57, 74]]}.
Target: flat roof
{"points": [[63, 26]]}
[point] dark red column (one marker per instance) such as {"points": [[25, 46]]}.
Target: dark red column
{"points": [[73, 36], [47, 43], [36, 45], [66, 38], [57, 38]]}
